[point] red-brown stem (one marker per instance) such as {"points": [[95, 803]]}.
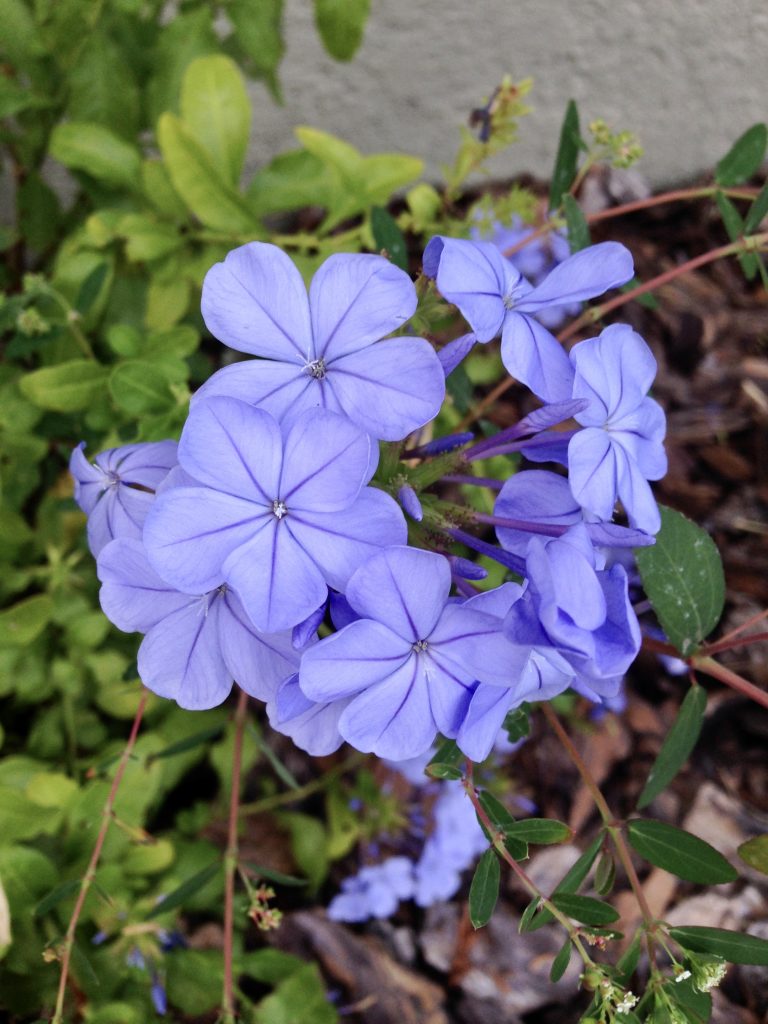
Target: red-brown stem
{"points": [[230, 862], [734, 642], [751, 621], [703, 663], [88, 877]]}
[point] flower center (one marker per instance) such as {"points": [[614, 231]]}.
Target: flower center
{"points": [[316, 369], [278, 509], [420, 646]]}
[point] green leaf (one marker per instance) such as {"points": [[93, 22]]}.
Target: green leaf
{"points": [[278, 877], [679, 852], [561, 961], [571, 882], [567, 159], [289, 182], [91, 288], [213, 201], [539, 831], [195, 740], [92, 148], [755, 853], [194, 978], [299, 999], [517, 724], [309, 843], [734, 227], [743, 158], [39, 212], [682, 574], [139, 387], [181, 894], [147, 238], [484, 890], [605, 874], [217, 112], [258, 33], [25, 621], [735, 947], [503, 822], [185, 37], [527, 915], [578, 229], [388, 236], [677, 746], [341, 24], [55, 896], [444, 771], [149, 858], [102, 87], [585, 909], [757, 212]]}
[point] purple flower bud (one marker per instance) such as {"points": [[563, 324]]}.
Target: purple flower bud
{"points": [[410, 502], [440, 445], [466, 569], [159, 998], [135, 958], [99, 937]]}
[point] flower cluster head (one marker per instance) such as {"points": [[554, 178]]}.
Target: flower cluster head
{"points": [[270, 546]]}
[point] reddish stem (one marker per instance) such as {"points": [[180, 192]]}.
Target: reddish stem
{"points": [[230, 862]]}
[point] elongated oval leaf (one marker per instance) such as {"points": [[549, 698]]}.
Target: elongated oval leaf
{"points": [[585, 909], [735, 947], [683, 577], [388, 236], [178, 897], [68, 387], [216, 110], [503, 821], [755, 853], [139, 386], [743, 158], [578, 229], [677, 747], [757, 212], [539, 831], [679, 852], [561, 961], [566, 161], [341, 24], [484, 890], [571, 881], [83, 146]]}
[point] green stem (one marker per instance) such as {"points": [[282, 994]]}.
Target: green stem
{"points": [[90, 874], [271, 803]]}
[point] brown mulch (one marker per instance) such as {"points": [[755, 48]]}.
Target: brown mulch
{"points": [[710, 337]]}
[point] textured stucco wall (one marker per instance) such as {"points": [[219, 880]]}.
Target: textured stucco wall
{"points": [[686, 75]]}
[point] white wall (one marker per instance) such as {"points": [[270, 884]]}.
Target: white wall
{"points": [[688, 76]]}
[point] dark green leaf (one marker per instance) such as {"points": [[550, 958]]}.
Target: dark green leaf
{"points": [[572, 880], [578, 229], [484, 890], [55, 896], [448, 753], [39, 212], [679, 852], [517, 724], [561, 961], [677, 746], [743, 158], [584, 908], [388, 236], [605, 874], [83, 968], [735, 947], [503, 822], [178, 897], [341, 24], [195, 740], [298, 999], [444, 771], [682, 575], [278, 877], [566, 161], [734, 227], [91, 287], [757, 212], [755, 853], [528, 913], [628, 961], [539, 831], [258, 33]]}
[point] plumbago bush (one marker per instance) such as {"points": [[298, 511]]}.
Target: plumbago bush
{"points": [[275, 404]]}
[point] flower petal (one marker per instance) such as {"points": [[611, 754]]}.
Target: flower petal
{"points": [[483, 720], [255, 301], [536, 358], [613, 372], [132, 595], [355, 300], [360, 655], [389, 389], [593, 471], [275, 387], [473, 276], [260, 662], [582, 276], [312, 727], [475, 645], [534, 496]]}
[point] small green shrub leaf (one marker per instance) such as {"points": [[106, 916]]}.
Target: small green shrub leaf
{"points": [[578, 229], [217, 112], [677, 746], [571, 881], [683, 577], [679, 852], [341, 24], [539, 831], [755, 853], [743, 158], [92, 148], [735, 947], [68, 387], [388, 236], [484, 891], [180, 895], [560, 963], [585, 909]]}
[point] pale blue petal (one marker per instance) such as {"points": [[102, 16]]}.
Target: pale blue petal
{"points": [[359, 656], [451, 355], [232, 447], [536, 358], [582, 276], [473, 276], [277, 388], [355, 300], [483, 720], [120, 512], [147, 464], [405, 588], [613, 372], [565, 578], [637, 497], [475, 645], [312, 727], [450, 691], [389, 389], [259, 662], [255, 301], [593, 472], [132, 595], [534, 496], [89, 479]]}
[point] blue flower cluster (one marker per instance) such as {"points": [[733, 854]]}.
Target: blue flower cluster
{"points": [[265, 549]]}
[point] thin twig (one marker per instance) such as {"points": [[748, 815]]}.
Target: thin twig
{"points": [[88, 877], [230, 862], [271, 803]]}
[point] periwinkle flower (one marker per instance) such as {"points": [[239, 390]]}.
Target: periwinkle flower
{"points": [[375, 891], [313, 726], [494, 297], [196, 645], [322, 350], [117, 489], [410, 661], [621, 447], [454, 843], [279, 516]]}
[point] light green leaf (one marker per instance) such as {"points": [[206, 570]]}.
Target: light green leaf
{"points": [[139, 386], [309, 843], [217, 112], [290, 181], [68, 387], [683, 577], [194, 979], [149, 858], [167, 302], [185, 37], [25, 621], [199, 184], [732, 946], [298, 999], [679, 852], [755, 853], [484, 890], [677, 746], [188, 888], [102, 87], [258, 33], [147, 238], [22, 819], [92, 148], [743, 158], [385, 173], [341, 24]]}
